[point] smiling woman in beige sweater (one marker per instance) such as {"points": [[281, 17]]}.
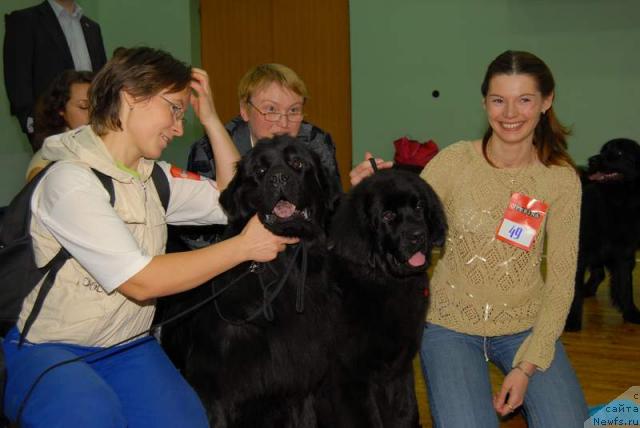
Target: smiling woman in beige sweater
{"points": [[504, 196]]}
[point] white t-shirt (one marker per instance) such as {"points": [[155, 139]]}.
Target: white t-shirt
{"points": [[72, 204]]}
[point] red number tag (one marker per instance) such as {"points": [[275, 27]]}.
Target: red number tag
{"points": [[522, 221]]}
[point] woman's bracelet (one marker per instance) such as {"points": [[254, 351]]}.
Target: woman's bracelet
{"points": [[524, 371]]}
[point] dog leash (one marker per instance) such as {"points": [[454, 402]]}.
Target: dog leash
{"points": [[266, 308]]}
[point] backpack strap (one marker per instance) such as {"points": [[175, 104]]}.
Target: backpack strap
{"points": [[158, 176], [161, 182], [55, 264], [107, 182], [52, 268]]}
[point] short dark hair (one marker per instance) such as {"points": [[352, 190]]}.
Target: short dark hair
{"points": [[550, 136], [47, 119], [143, 72]]}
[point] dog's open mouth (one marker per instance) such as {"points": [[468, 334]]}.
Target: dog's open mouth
{"points": [[286, 211], [606, 176]]}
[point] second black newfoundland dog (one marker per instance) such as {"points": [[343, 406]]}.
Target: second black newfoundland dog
{"points": [[609, 228], [382, 236]]}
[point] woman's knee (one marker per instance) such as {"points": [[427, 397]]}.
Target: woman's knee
{"points": [[67, 399], [554, 397], [40, 393], [457, 379]]}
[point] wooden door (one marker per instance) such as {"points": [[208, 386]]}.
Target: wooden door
{"points": [[309, 36]]}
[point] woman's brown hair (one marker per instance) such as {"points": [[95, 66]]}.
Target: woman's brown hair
{"points": [[142, 72], [550, 136], [48, 119]]}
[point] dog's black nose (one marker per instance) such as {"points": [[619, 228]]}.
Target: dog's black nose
{"points": [[417, 237], [279, 179]]}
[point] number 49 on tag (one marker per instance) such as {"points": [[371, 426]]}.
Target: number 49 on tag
{"points": [[515, 232]]}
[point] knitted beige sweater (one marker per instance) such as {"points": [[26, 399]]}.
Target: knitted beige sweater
{"points": [[484, 286]]}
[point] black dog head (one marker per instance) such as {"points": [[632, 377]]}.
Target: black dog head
{"points": [[285, 183], [618, 161], [390, 221]]}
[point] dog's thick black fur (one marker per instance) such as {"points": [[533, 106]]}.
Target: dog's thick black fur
{"points": [[609, 228], [381, 236], [264, 372]]}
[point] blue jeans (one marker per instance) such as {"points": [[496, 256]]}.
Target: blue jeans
{"points": [[132, 385], [459, 388]]}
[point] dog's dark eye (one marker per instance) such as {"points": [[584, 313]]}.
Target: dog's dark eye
{"points": [[297, 164], [260, 171], [420, 206], [388, 216]]}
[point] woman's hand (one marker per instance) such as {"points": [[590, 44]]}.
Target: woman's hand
{"points": [[514, 388], [202, 98], [260, 244], [364, 169]]}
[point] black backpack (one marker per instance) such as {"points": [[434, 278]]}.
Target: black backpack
{"points": [[18, 271]]}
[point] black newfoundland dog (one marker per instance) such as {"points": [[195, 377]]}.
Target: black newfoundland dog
{"points": [[258, 353], [609, 228], [382, 236]]}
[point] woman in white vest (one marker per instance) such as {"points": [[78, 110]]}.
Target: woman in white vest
{"points": [[105, 293]]}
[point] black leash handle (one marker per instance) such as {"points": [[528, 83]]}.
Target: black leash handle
{"points": [[374, 165]]}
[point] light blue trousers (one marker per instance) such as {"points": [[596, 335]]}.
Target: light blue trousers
{"points": [[459, 387]]}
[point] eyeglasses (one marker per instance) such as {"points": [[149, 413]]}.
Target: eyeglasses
{"points": [[275, 116], [176, 110]]}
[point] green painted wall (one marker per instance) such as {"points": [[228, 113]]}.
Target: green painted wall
{"points": [[172, 25], [403, 50]]}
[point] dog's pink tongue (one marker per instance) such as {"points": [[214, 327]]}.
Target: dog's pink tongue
{"points": [[284, 209], [418, 259]]}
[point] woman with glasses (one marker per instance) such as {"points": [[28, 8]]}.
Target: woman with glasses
{"points": [[103, 298], [272, 99]]}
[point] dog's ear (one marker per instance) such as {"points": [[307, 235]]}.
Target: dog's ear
{"points": [[350, 234], [435, 218], [328, 186], [235, 200]]}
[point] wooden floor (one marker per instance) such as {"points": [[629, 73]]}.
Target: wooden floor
{"points": [[605, 355]]}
